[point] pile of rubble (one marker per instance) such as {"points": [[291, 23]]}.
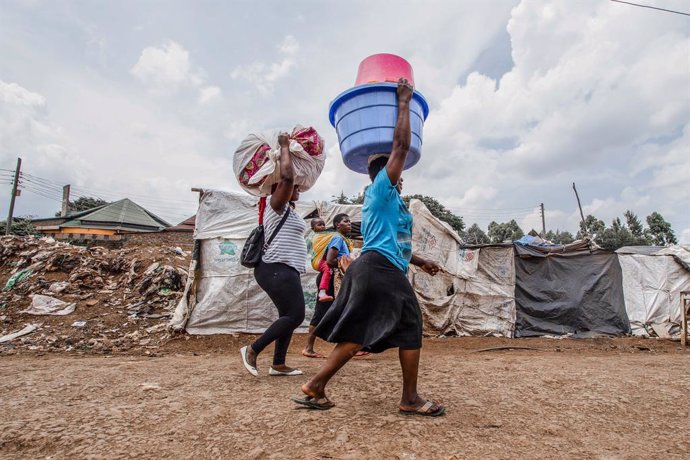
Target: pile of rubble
{"points": [[57, 296]]}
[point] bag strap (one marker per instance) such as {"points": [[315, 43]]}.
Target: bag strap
{"points": [[280, 224], [262, 208]]}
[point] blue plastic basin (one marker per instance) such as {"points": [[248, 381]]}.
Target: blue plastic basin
{"points": [[364, 119]]}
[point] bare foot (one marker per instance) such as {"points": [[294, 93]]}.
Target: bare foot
{"points": [[312, 354], [313, 392]]}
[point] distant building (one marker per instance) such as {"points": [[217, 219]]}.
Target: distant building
{"points": [[107, 222], [186, 226]]}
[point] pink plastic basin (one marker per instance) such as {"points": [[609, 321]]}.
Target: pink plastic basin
{"points": [[379, 68]]}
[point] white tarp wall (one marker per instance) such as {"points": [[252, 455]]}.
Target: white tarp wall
{"points": [[474, 297], [226, 298], [476, 294], [653, 279]]}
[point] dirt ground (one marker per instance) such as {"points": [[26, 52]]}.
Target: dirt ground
{"points": [[598, 398]]}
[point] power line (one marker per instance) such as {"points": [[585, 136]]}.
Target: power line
{"points": [[41, 194], [101, 193], [652, 7]]}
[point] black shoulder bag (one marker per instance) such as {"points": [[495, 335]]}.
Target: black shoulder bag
{"points": [[255, 246]]}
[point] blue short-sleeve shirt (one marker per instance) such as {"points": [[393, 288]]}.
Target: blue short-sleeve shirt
{"points": [[339, 243], [386, 222]]}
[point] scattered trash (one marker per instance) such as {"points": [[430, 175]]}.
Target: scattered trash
{"points": [[58, 287], [27, 330], [17, 278], [150, 386], [123, 291], [178, 250], [46, 305]]}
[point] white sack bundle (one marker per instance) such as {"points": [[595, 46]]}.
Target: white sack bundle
{"points": [[256, 161]]}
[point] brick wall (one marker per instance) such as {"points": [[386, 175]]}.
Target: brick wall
{"points": [[184, 240]]}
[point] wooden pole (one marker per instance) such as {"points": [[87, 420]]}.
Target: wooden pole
{"points": [[584, 227], [15, 184], [543, 222]]}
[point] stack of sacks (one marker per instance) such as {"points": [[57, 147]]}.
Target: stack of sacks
{"points": [[257, 160]]}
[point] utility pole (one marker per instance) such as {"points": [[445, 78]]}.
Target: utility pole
{"points": [[65, 200], [15, 184], [543, 222]]}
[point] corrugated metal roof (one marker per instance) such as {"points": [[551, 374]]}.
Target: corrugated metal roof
{"points": [[123, 213]]}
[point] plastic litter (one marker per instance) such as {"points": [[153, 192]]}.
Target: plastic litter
{"points": [[46, 305], [27, 330], [17, 278]]}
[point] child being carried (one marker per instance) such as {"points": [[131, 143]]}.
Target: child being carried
{"points": [[327, 248]]}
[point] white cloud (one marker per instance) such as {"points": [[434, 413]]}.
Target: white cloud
{"points": [[264, 76], [208, 94], [164, 68], [168, 68], [592, 90], [527, 97]]}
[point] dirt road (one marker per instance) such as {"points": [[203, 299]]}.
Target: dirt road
{"points": [[617, 398]]}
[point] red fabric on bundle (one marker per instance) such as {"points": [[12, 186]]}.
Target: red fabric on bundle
{"points": [[309, 139], [255, 164]]}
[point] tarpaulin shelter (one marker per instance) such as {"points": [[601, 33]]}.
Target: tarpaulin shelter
{"points": [[473, 297], [507, 290], [221, 296], [568, 289], [653, 279]]}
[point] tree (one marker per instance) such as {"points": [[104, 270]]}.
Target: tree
{"points": [[342, 199], [559, 237], [591, 226], [20, 226], [507, 231], [660, 232], [475, 235], [86, 202], [634, 224], [615, 237], [439, 211], [83, 203]]}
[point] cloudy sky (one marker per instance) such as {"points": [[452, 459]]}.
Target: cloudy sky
{"points": [[146, 99]]}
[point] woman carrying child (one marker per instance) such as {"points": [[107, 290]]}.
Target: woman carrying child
{"points": [[328, 248]]}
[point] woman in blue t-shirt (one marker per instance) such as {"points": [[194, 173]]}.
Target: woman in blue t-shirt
{"points": [[376, 308]]}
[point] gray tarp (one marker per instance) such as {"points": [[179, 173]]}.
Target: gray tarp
{"points": [[653, 279], [574, 293]]}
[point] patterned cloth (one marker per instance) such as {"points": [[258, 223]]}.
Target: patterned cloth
{"points": [[255, 164], [308, 138]]}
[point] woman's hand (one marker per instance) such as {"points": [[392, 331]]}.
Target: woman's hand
{"points": [[284, 140], [344, 262], [404, 90], [430, 267]]}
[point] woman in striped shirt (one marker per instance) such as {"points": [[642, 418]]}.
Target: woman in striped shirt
{"points": [[280, 268]]}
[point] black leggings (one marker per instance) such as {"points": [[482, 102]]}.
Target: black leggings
{"points": [[282, 284]]}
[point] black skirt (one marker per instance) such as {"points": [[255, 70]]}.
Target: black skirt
{"points": [[376, 307]]}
